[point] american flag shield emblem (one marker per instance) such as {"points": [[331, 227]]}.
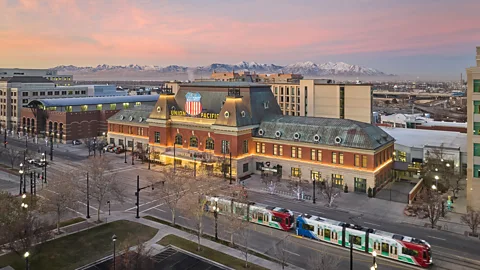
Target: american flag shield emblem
{"points": [[193, 106]]}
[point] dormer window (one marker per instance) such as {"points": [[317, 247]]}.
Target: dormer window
{"points": [[266, 104]]}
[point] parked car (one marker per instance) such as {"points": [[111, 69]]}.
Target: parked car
{"points": [[108, 148], [76, 142], [31, 161], [40, 163], [119, 150]]}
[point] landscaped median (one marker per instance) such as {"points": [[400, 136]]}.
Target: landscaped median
{"points": [[82, 248], [206, 252]]}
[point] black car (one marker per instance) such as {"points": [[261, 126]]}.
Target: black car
{"points": [[76, 142]]}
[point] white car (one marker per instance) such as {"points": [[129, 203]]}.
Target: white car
{"points": [[30, 161]]}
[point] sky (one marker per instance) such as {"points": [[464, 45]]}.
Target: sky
{"points": [[407, 37]]}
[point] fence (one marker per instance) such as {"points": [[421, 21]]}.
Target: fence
{"points": [[303, 196]]}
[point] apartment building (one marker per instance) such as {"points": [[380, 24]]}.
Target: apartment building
{"points": [[18, 91], [325, 98], [59, 80], [473, 138], [246, 76]]}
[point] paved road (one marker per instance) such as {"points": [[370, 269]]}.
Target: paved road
{"points": [[448, 248]]}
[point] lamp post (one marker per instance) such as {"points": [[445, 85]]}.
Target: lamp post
{"points": [[94, 146], [88, 199], [148, 156], [108, 202], [374, 255], [133, 147], [215, 214], [436, 180], [44, 154], [351, 251], [125, 148], [26, 260], [230, 165], [314, 201], [24, 206], [194, 165], [114, 239], [21, 178]]}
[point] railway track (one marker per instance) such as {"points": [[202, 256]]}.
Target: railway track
{"points": [[452, 262]]}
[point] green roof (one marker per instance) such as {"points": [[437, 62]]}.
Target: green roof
{"points": [[324, 131]]}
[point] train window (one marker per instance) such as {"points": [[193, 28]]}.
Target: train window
{"points": [[326, 232], [308, 227], [276, 219], [320, 232], [385, 247], [410, 252], [334, 236], [298, 224], [260, 218], [287, 222], [424, 255], [254, 215], [357, 240], [393, 250]]}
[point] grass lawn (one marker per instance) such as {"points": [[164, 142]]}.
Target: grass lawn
{"points": [[75, 250], [206, 252], [71, 221]]}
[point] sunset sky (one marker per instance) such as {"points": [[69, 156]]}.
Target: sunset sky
{"points": [[396, 36]]}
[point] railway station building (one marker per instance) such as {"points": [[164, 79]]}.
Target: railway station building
{"points": [[238, 128]]}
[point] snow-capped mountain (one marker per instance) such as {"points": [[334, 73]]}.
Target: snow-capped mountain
{"points": [[308, 68]]}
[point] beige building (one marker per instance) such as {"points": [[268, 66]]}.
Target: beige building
{"points": [[246, 76], [324, 98], [473, 138], [52, 75], [16, 92]]}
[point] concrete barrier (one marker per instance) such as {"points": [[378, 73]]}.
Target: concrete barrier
{"points": [[415, 190]]}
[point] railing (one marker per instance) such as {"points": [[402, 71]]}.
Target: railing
{"points": [[289, 194]]}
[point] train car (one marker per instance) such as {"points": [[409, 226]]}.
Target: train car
{"points": [[393, 246], [274, 217]]}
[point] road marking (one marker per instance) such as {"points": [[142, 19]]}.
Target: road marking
{"points": [[81, 214], [270, 201], [437, 238], [90, 206], [161, 210], [135, 207], [184, 217], [292, 253], [151, 208], [371, 223]]}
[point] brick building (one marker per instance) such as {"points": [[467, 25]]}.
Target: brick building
{"points": [[67, 119], [206, 122]]}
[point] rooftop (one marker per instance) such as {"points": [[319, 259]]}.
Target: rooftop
{"points": [[324, 131], [137, 114], [61, 102], [26, 79], [419, 138], [223, 84]]}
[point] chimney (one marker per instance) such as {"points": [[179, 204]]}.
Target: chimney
{"points": [[478, 56]]}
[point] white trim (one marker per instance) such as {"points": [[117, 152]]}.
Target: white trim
{"points": [[338, 139]]}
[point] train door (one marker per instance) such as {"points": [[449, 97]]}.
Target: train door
{"points": [[385, 249], [377, 247], [394, 251], [320, 232], [266, 218], [334, 237]]}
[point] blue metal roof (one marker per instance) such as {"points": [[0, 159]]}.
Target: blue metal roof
{"points": [[61, 102]]}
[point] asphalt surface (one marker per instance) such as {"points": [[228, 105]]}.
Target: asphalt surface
{"points": [[450, 251]]}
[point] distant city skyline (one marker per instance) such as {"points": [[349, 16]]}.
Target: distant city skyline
{"points": [[430, 38]]}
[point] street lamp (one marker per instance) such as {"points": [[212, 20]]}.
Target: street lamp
{"points": [[374, 255], [434, 187], [114, 239], [436, 180], [215, 214], [21, 178], [24, 206], [448, 164], [108, 202], [88, 199], [26, 259], [24, 196]]}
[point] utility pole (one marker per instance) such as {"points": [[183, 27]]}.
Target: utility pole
{"points": [[230, 166], [351, 252], [194, 165], [133, 148], [138, 197], [148, 155], [45, 166], [51, 148], [88, 199], [174, 157], [5, 137], [314, 191], [125, 148]]}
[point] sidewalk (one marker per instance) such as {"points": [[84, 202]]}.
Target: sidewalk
{"points": [[361, 204]]}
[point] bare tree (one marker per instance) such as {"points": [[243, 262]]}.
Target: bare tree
{"points": [[61, 195], [323, 261], [173, 189], [104, 186], [243, 234], [20, 228], [271, 181], [196, 202], [298, 186], [329, 191], [456, 184], [140, 258], [13, 156], [281, 250], [432, 205], [236, 219], [471, 219]]}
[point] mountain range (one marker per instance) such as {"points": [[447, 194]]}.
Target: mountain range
{"points": [[309, 69]]}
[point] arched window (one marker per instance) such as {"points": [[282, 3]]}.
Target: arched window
{"points": [[209, 144], [193, 141], [178, 139]]}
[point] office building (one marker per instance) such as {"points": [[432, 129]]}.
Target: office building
{"points": [[325, 98], [473, 134], [52, 75], [238, 128]]}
